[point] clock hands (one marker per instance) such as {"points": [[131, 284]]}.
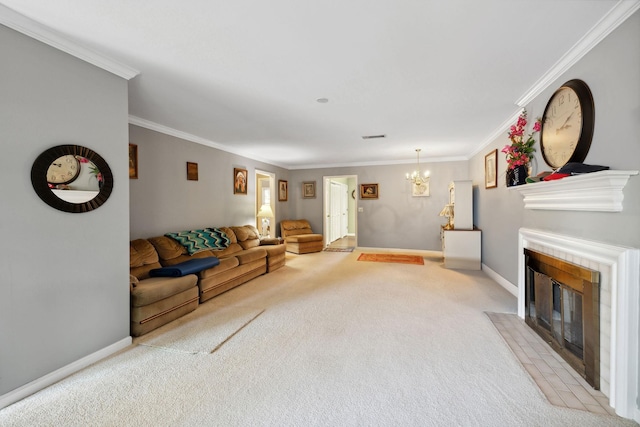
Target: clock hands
{"points": [[564, 125]]}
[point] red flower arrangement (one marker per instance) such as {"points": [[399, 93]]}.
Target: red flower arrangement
{"points": [[520, 152]]}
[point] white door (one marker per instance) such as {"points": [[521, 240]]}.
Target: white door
{"points": [[335, 211]]}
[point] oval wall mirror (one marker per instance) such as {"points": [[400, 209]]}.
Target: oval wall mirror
{"points": [[72, 178]]}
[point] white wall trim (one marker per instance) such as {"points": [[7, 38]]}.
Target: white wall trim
{"points": [[57, 375], [40, 32], [622, 10], [510, 287], [593, 192]]}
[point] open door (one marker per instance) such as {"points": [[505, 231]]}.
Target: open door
{"points": [[265, 207], [340, 208]]}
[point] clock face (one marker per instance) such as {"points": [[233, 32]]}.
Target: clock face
{"points": [[567, 125], [63, 170]]}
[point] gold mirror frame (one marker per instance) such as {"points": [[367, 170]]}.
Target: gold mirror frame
{"points": [[41, 186]]}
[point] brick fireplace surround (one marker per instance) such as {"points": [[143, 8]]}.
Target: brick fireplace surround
{"points": [[619, 269]]}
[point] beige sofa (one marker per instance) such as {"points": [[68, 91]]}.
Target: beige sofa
{"points": [[159, 300], [299, 238], [156, 301]]}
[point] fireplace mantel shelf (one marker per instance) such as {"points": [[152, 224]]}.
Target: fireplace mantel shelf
{"points": [[597, 192]]}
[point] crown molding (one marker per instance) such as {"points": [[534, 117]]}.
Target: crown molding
{"points": [[148, 124], [498, 132], [18, 22], [612, 20]]}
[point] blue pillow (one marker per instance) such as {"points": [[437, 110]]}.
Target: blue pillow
{"points": [[196, 241], [187, 267]]}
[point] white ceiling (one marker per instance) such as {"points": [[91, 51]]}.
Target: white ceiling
{"points": [[244, 75]]}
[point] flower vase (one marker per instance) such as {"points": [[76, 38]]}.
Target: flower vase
{"points": [[517, 175]]}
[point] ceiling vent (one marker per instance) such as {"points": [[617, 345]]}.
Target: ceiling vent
{"points": [[373, 136]]}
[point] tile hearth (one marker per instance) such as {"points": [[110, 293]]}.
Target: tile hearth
{"points": [[561, 385]]}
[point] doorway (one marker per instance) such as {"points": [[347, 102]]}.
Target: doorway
{"points": [[340, 207], [265, 208]]}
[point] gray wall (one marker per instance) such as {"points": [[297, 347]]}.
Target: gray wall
{"points": [[395, 219], [162, 200], [612, 71], [63, 281]]}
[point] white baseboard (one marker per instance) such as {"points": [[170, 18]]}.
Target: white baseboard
{"points": [[55, 376], [513, 289]]}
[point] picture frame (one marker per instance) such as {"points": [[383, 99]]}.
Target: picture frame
{"points": [[283, 190], [309, 190], [192, 171], [368, 191], [133, 161], [240, 181], [421, 190], [491, 169]]}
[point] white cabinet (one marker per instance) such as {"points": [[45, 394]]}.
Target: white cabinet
{"points": [[461, 196], [462, 249]]}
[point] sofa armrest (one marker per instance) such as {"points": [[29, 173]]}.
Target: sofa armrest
{"points": [[271, 241]]}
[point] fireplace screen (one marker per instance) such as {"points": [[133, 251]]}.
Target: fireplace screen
{"points": [[562, 306]]}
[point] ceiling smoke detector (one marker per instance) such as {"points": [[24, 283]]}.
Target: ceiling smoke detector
{"points": [[373, 136]]}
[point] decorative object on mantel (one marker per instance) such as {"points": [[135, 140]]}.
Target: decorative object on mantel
{"points": [[567, 124], [573, 169], [589, 192], [520, 152], [419, 183], [447, 212]]}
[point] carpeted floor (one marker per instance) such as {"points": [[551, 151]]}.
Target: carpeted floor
{"points": [[397, 258], [339, 249], [323, 341]]}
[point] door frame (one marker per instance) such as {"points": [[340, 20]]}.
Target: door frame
{"points": [[326, 196], [273, 192]]}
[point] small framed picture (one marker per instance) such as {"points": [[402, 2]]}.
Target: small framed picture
{"points": [[368, 191], [283, 190], [490, 169], [420, 190], [192, 171], [133, 161], [239, 181], [309, 190]]}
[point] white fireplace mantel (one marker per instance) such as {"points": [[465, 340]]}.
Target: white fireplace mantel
{"points": [[597, 191], [618, 308]]}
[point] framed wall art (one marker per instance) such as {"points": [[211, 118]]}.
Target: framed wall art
{"points": [[309, 190], [490, 169], [192, 171], [239, 181], [283, 190], [133, 161], [368, 191]]}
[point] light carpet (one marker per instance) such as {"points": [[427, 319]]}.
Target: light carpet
{"points": [[350, 249], [340, 343], [397, 258]]}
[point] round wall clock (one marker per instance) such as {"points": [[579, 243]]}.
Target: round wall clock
{"points": [[567, 124], [63, 170]]}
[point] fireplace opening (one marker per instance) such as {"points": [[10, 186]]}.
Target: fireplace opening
{"points": [[562, 305]]}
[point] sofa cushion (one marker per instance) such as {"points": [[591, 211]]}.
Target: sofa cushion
{"points": [[167, 248], [249, 255], [142, 258], [292, 227], [247, 235], [157, 288], [200, 240], [226, 264], [303, 238]]}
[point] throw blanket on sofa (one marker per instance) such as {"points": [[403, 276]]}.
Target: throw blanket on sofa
{"points": [[196, 241], [188, 267]]}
